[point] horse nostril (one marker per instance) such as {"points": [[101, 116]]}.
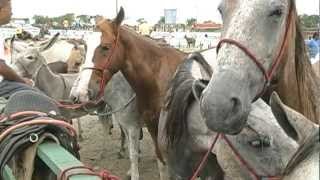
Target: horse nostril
{"points": [[236, 104], [74, 99]]}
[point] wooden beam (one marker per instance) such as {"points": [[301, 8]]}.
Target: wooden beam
{"points": [[8, 174], [57, 159]]}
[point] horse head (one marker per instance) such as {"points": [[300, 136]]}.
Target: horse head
{"points": [[256, 38], [106, 59]]}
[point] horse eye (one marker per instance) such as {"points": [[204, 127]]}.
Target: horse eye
{"points": [[104, 48], [30, 57], [277, 12], [260, 142]]}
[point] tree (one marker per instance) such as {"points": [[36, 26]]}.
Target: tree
{"points": [[309, 21], [38, 19], [84, 18], [162, 20], [141, 20], [191, 21]]}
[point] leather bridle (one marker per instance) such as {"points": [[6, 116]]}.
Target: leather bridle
{"points": [[106, 75], [268, 74]]}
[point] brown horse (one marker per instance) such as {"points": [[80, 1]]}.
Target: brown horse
{"points": [[262, 49], [147, 65]]}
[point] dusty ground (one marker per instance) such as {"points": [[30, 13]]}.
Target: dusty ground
{"points": [[100, 150]]}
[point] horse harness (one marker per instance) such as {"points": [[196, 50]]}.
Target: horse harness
{"points": [[268, 74], [104, 69], [268, 77], [203, 161], [23, 129]]}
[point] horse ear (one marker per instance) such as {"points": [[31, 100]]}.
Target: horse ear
{"points": [[50, 43], [120, 17], [198, 87], [293, 123]]}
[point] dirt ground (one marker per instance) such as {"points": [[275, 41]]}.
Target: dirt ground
{"points": [[100, 150]]}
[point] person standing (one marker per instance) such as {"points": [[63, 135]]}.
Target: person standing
{"points": [[313, 46]]}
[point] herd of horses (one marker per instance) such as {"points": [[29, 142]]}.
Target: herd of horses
{"points": [[247, 109]]}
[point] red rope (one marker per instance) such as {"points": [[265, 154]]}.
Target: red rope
{"points": [[104, 174], [103, 81], [204, 159], [247, 165], [267, 74]]}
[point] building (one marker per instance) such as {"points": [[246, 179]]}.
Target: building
{"points": [[20, 21], [207, 26]]}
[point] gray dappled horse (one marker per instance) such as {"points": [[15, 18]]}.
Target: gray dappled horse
{"points": [[304, 163], [119, 96], [185, 137], [261, 50]]}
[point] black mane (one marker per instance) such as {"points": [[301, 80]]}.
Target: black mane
{"points": [[180, 96]]}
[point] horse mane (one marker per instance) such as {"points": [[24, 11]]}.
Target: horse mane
{"points": [[179, 97], [310, 145], [149, 40], [307, 80]]}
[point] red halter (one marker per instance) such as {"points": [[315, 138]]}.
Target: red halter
{"points": [[267, 74], [106, 75]]}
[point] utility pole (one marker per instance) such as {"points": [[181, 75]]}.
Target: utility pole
{"points": [[117, 7]]}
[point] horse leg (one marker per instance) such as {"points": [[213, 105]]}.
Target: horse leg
{"points": [[79, 129], [163, 170], [123, 137], [133, 135]]}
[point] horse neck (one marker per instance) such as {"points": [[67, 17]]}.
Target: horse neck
{"points": [[298, 85], [48, 82], [149, 66]]}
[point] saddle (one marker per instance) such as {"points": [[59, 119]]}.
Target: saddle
{"points": [[23, 107]]}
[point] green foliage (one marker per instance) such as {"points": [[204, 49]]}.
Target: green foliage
{"points": [[141, 20], [309, 21], [191, 21], [55, 21], [162, 20], [84, 18]]}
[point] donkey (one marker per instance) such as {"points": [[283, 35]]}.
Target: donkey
{"points": [[190, 41], [118, 95], [67, 55]]}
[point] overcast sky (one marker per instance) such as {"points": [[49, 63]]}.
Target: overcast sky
{"points": [[151, 10]]}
